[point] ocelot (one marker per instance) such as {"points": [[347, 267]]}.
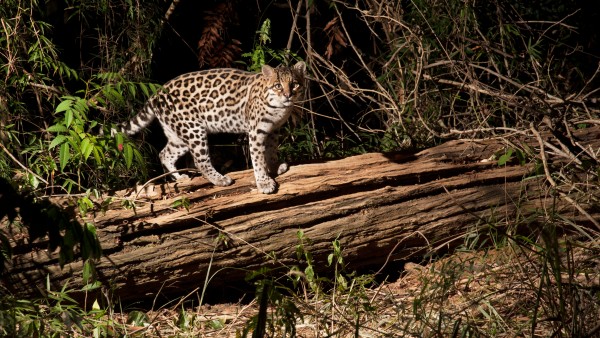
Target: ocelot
{"points": [[193, 105]]}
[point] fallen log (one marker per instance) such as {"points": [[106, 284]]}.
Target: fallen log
{"points": [[381, 207]]}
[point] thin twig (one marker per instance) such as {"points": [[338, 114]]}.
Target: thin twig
{"points": [[139, 190], [21, 164], [294, 24], [552, 182]]}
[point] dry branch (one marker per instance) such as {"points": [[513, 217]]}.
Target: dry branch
{"points": [[381, 207]]}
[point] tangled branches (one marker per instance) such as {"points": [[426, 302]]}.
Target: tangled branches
{"points": [[436, 67]]}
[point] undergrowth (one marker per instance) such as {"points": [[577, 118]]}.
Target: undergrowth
{"points": [[544, 284]]}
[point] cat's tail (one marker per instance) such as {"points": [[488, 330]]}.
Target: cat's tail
{"points": [[136, 123]]}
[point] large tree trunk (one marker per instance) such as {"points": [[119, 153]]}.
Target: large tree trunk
{"points": [[380, 207]]}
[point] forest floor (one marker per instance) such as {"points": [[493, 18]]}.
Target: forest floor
{"points": [[502, 292]]}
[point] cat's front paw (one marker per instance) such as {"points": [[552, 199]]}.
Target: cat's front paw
{"points": [[266, 186]]}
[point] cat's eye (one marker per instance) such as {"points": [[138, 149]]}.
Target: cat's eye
{"points": [[278, 86]]}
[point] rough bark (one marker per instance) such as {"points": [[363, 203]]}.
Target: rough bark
{"points": [[382, 208]]}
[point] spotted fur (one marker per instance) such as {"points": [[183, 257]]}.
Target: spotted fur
{"points": [[193, 105]]}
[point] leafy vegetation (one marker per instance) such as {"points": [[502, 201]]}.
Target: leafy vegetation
{"points": [[50, 108], [46, 222]]}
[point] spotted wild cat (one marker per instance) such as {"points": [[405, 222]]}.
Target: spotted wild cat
{"points": [[193, 105]]}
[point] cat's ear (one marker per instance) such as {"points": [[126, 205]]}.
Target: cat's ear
{"points": [[300, 67], [268, 71]]}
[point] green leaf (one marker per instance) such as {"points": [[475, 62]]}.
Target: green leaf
{"points": [[89, 271], [113, 95], [216, 324], [184, 320], [144, 89], [84, 204], [119, 140], [86, 148], [138, 156], [97, 155], [68, 117], [154, 88], [128, 154], [90, 246], [505, 158], [66, 249], [65, 105], [64, 155], [57, 128], [181, 202], [137, 318], [81, 107], [342, 282], [33, 181], [68, 185], [310, 273], [59, 139], [92, 286], [521, 157], [131, 89]]}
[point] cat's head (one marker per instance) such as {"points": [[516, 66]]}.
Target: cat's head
{"points": [[284, 84]]}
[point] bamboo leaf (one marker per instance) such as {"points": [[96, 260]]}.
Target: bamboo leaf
{"points": [[144, 89], [128, 154], [97, 156], [64, 155]]}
